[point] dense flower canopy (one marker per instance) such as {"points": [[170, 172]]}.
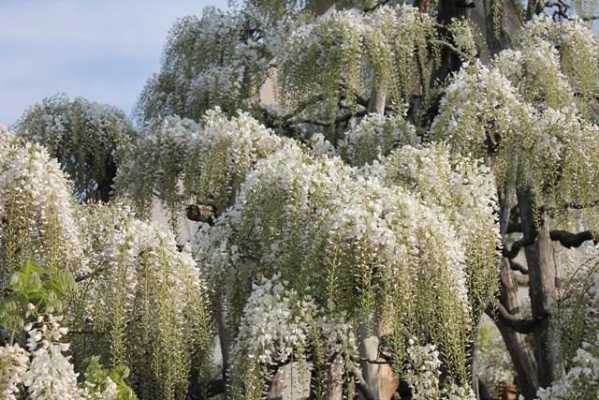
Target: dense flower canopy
{"points": [[36, 210], [363, 243], [84, 136], [108, 252]]}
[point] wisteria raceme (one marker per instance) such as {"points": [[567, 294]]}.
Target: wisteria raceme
{"points": [[392, 42], [14, 362], [374, 137], [374, 244], [197, 163], [423, 373], [535, 71], [84, 136], [210, 60], [280, 326], [273, 329], [465, 190], [582, 379], [36, 210], [5, 137], [50, 375], [578, 51], [142, 294], [483, 115]]}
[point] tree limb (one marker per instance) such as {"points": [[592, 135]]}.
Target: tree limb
{"points": [[569, 239], [517, 246], [501, 315], [518, 267], [514, 227], [84, 277]]}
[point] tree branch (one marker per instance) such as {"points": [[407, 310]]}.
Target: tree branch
{"points": [[517, 246], [84, 277], [341, 118], [518, 267], [569, 239], [501, 315], [514, 227]]}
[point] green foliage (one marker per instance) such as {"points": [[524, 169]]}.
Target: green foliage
{"points": [[97, 377], [33, 291]]}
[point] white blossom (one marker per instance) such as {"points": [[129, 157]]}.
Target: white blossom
{"points": [[14, 362]]}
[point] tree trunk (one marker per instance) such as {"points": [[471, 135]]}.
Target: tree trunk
{"points": [[223, 337], [542, 291], [335, 381], [519, 350], [448, 10], [516, 344], [378, 99], [369, 349]]}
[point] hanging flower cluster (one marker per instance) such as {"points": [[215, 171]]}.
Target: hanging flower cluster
{"points": [[374, 137], [219, 58], [379, 249], [465, 191], [144, 302], [581, 381], [329, 57], [536, 73], [36, 211], [578, 52], [274, 330], [279, 327], [424, 372], [50, 375], [84, 136], [44, 371], [138, 302], [14, 362], [484, 115], [204, 163]]}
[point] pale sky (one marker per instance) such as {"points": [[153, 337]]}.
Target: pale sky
{"points": [[103, 50]]}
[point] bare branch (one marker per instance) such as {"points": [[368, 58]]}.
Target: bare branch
{"points": [[517, 246], [569, 239], [89, 275], [514, 227], [501, 315], [518, 267]]}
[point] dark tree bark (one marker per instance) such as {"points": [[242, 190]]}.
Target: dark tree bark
{"points": [[516, 344]]}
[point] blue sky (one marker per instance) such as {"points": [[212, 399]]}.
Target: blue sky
{"points": [[103, 50]]}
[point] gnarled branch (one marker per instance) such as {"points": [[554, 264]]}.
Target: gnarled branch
{"points": [[515, 266], [521, 325], [569, 239]]}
